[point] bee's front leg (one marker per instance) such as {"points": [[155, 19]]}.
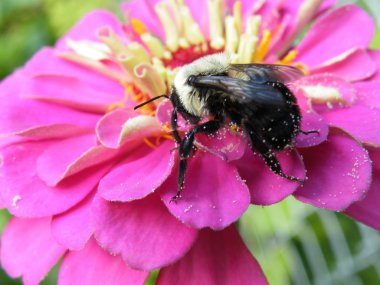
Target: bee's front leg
{"points": [[185, 148], [174, 126]]}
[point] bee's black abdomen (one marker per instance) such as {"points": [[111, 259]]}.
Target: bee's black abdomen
{"points": [[275, 125]]}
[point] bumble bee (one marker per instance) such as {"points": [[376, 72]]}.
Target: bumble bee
{"points": [[251, 96]]}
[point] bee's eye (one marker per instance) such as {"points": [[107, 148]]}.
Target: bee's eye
{"points": [[191, 79]]}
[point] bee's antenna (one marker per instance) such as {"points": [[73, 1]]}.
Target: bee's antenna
{"points": [[150, 100]]}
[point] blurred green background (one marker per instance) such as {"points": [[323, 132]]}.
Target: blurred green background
{"points": [[293, 242]]}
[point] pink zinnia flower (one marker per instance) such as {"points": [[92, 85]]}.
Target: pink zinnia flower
{"points": [[84, 175]]}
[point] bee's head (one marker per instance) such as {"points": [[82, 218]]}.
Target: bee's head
{"points": [[183, 81]]}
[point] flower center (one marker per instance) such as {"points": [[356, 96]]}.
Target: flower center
{"points": [[150, 64], [184, 56], [147, 66]]}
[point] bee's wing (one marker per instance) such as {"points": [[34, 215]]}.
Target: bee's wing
{"points": [[261, 73], [243, 90]]}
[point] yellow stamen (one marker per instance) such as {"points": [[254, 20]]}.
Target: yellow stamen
{"points": [[163, 136], [170, 76], [138, 26], [168, 55], [263, 48], [127, 94], [246, 55], [288, 59], [171, 32], [149, 77], [238, 16], [139, 52], [154, 45], [247, 42], [166, 127], [143, 75], [159, 67], [243, 41], [301, 66], [149, 143], [114, 106], [137, 96], [113, 42], [204, 47], [216, 23], [192, 31], [232, 35], [253, 25], [167, 136], [183, 43], [175, 9]]}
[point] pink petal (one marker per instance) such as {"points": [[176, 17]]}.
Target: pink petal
{"points": [[73, 228], [29, 250], [266, 187], [280, 32], [327, 4], [348, 27], [93, 265], [368, 93], [10, 85], [360, 121], [140, 174], [216, 258], [142, 232], [312, 121], [47, 62], [375, 54], [2, 204], [110, 126], [27, 196], [164, 113], [367, 210], [224, 143], [38, 119], [67, 157], [88, 26], [339, 173], [214, 195], [356, 65], [70, 92], [144, 11]]}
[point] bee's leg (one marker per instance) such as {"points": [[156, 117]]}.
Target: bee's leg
{"points": [[185, 151], [257, 145], [274, 165], [174, 126], [181, 179]]}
